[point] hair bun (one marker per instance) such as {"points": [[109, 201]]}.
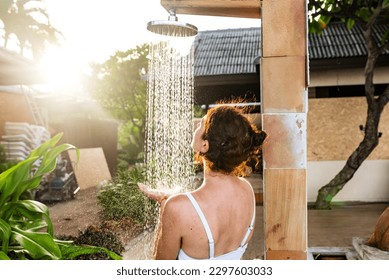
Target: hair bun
{"points": [[259, 137]]}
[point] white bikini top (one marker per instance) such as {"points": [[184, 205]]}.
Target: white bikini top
{"points": [[233, 255]]}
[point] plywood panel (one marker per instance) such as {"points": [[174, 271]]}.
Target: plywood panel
{"points": [[92, 168], [333, 129], [285, 210]]}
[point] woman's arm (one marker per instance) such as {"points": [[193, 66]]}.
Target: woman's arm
{"points": [[153, 194], [168, 242]]}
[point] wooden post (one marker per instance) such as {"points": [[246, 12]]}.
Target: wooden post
{"points": [[284, 82], [284, 111]]}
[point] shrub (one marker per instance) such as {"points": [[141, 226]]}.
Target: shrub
{"points": [[121, 199]]}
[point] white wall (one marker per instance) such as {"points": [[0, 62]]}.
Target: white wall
{"points": [[369, 184]]}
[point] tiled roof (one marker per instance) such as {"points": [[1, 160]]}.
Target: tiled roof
{"points": [[233, 51], [229, 51], [337, 41]]}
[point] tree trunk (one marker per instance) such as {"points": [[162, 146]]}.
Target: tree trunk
{"points": [[370, 140]]}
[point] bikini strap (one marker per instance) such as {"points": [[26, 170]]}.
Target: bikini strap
{"points": [[250, 228], [205, 225]]}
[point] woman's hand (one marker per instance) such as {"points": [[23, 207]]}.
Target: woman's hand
{"points": [[153, 194]]}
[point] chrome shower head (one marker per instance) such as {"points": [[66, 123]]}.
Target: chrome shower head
{"points": [[172, 27]]}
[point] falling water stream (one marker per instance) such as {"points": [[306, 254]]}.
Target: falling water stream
{"points": [[168, 154], [169, 160]]}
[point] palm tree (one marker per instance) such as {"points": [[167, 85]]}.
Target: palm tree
{"points": [[29, 22]]}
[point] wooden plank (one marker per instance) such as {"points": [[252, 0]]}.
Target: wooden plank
{"points": [[285, 210], [285, 255], [226, 8]]}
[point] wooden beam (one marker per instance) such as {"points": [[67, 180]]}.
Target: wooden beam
{"points": [[286, 255], [225, 8]]}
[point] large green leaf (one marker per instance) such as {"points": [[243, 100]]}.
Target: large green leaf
{"points": [[30, 214], [26, 185], [5, 233], [49, 161], [3, 256], [38, 152], [38, 245], [11, 179], [70, 252]]}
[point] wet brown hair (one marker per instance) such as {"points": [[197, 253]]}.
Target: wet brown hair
{"points": [[232, 138]]}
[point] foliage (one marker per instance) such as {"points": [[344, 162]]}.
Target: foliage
{"points": [[119, 85], [122, 199], [29, 22], [26, 230], [367, 14], [4, 163], [199, 111], [129, 152], [322, 12], [99, 237]]}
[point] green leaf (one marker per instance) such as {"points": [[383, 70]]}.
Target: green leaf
{"points": [[10, 180], [70, 252], [385, 37], [33, 215], [27, 185], [38, 245], [364, 13], [350, 23], [49, 161], [385, 4], [38, 152], [5, 233], [3, 256]]}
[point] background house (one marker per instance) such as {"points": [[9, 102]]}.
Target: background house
{"points": [[226, 64]]}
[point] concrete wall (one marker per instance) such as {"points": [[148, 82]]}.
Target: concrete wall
{"points": [[369, 184], [353, 76]]}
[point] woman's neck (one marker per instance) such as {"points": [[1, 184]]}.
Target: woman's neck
{"points": [[211, 175]]}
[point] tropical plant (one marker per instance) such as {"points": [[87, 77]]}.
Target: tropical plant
{"points": [[367, 14], [26, 230], [29, 22]]}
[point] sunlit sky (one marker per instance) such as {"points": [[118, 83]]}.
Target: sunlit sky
{"points": [[95, 29]]}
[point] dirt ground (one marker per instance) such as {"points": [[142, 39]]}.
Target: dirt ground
{"points": [[73, 216]]}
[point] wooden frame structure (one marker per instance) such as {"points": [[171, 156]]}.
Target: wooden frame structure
{"points": [[284, 99]]}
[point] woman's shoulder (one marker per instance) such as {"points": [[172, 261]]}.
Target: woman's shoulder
{"points": [[245, 182], [177, 207], [176, 201]]}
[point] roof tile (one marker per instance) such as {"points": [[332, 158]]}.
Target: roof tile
{"points": [[233, 51]]}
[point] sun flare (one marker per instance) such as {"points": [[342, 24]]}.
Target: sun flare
{"points": [[63, 70]]}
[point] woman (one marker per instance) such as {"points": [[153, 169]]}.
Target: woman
{"points": [[216, 220]]}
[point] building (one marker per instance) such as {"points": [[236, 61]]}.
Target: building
{"points": [[227, 64]]}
